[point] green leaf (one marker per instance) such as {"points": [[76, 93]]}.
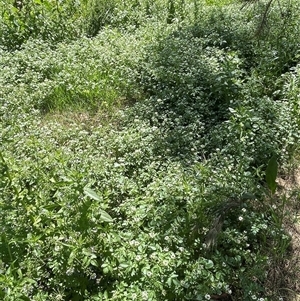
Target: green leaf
{"points": [[209, 264], [92, 194], [271, 173], [124, 265], [94, 263], [105, 217], [247, 196]]}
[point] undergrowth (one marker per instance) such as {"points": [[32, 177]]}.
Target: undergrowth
{"points": [[159, 184]]}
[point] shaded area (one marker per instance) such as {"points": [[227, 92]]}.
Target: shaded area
{"points": [[214, 82]]}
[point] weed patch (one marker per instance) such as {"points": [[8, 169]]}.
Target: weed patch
{"points": [[138, 158]]}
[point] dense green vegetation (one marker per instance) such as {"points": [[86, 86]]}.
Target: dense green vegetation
{"points": [[139, 148]]}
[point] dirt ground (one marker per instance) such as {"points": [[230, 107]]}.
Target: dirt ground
{"points": [[286, 274]]}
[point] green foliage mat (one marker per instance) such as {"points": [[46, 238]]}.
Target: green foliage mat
{"points": [[140, 164]]}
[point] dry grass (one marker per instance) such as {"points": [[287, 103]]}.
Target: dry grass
{"points": [[284, 273], [83, 119]]}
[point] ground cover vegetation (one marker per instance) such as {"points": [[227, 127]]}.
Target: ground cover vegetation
{"points": [[140, 142]]}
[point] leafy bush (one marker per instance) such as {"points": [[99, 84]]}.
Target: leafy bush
{"points": [[85, 73], [47, 20]]}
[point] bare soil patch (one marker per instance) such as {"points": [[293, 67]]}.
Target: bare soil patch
{"points": [[284, 274]]}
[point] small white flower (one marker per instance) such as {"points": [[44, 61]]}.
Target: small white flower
{"points": [[207, 297], [244, 209], [145, 295], [59, 297], [241, 218], [70, 271], [133, 243]]}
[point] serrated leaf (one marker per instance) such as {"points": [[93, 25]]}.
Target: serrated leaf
{"points": [[92, 194], [271, 173]]}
